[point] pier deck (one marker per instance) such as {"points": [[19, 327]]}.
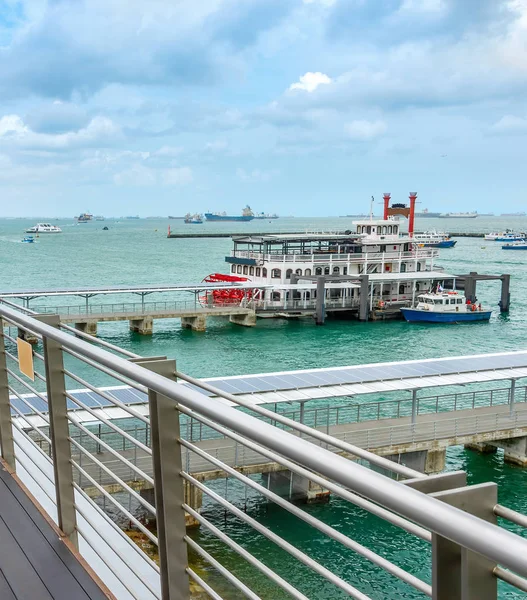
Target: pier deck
{"points": [[34, 562]]}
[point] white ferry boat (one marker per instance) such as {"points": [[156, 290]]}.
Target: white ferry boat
{"points": [[44, 228], [285, 268], [505, 236]]}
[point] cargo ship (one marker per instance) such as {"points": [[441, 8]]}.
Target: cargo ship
{"points": [[266, 216], [247, 215], [462, 215], [426, 214]]}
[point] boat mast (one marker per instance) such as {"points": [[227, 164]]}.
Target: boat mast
{"points": [[371, 208]]}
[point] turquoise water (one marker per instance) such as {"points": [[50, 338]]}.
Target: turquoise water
{"points": [[138, 252]]}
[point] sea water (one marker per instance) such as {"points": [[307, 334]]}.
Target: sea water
{"points": [[138, 253]]}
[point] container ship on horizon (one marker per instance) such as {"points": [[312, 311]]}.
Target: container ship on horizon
{"points": [[247, 215]]}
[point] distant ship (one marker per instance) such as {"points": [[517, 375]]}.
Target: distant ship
{"points": [[466, 215], [426, 214], [99, 218], [132, 217], [84, 217], [516, 214], [247, 215], [266, 216], [196, 219]]}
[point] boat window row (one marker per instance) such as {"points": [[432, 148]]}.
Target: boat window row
{"points": [[277, 273], [378, 229]]}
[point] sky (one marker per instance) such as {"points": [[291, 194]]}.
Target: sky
{"points": [[303, 107]]}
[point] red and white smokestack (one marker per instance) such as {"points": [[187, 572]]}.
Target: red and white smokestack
{"points": [[386, 198], [413, 199]]}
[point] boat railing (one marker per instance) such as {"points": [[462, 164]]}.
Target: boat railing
{"points": [[418, 253], [463, 551]]}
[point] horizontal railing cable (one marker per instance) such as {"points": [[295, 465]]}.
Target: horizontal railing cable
{"points": [[345, 494], [107, 396], [94, 340], [115, 502], [245, 554], [327, 530], [239, 585], [115, 453], [279, 541], [116, 528], [511, 578], [475, 534], [106, 371], [324, 437], [109, 423], [510, 515], [213, 594]]}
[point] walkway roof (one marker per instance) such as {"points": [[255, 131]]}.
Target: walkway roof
{"points": [[301, 386]]}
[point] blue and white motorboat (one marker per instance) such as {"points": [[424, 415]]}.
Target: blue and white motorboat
{"points": [[435, 239], [507, 236], [29, 239], [516, 245], [445, 307]]}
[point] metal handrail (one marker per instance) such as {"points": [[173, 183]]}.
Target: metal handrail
{"points": [[496, 544]]}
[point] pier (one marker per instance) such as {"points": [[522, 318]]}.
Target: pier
{"points": [[455, 524], [226, 234]]}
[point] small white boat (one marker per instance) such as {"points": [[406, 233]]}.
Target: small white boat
{"points": [[44, 228], [505, 236], [435, 239], [445, 307]]}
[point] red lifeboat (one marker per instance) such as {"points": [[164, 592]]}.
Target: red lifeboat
{"points": [[225, 297]]}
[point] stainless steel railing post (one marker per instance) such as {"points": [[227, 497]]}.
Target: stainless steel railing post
{"points": [[169, 488], [6, 426], [59, 432], [458, 573]]}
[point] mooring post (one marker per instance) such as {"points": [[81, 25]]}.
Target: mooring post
{"points": [[505, 293], [363, 300], [320, 312], [470, 286]]}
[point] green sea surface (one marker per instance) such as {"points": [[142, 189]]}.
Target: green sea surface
{"points": [[137, 252]]}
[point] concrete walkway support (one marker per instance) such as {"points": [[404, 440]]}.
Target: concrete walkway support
{"points": [[143, 326], [193, 497], [425, 461], [293, 486], [248, 320], [514, 450], [27, 337], [89, 327], [505, 299], [197, 323], [481, 447]]}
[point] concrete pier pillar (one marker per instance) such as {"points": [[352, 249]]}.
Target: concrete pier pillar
{"points": [[293, 486], [320, 310], [144, 326], [481, 447], [470, 286], [505, 299], [364, 308], [514, 450], [197, 323], [193, 497], [248, 320], [425, 461], [90, 327], [27, 336]]}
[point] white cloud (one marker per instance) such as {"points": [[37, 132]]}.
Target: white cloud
{"points": [[364, 131], [12, 125], [509, 124], [141, 175], [216, 146], [99, 131], [136, 175], [177, 176], [257, 175], [310, 81], [169, 151]]}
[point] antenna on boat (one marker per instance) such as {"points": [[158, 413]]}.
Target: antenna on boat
{"points": [[371, 208]]}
